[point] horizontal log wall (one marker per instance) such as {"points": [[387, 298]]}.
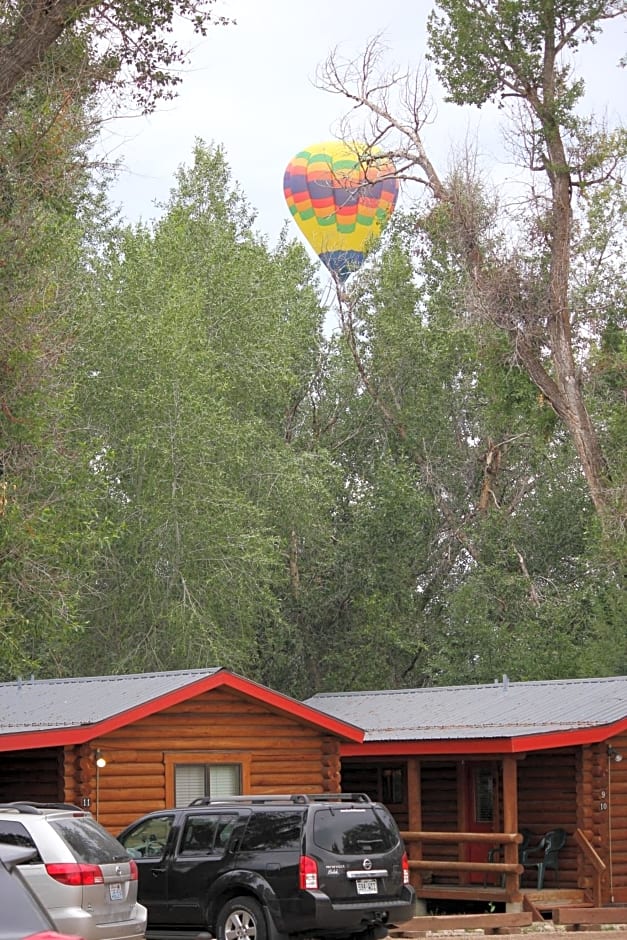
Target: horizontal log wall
{"points": [[34, 775], [439, 791], [603, 815], [358, 777], [547, 799], [594, 823], [279, 754], [617, 819]]}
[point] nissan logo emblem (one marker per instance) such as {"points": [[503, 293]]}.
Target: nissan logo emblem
{"points": [[118, 870], [367, 864]]}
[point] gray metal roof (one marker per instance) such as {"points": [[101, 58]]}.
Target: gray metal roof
{"points": [[40, 704], [499, 710]]}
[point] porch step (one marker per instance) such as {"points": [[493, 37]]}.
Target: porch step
{"points": [[455, 892], [548, 900], [421, 926], [590, 916]]}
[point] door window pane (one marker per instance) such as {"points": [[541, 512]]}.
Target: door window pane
{"points": [[484, 795], [273, 831], [148, 838]]}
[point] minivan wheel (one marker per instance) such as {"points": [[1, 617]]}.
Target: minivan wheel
{"points": [[241, 919]]}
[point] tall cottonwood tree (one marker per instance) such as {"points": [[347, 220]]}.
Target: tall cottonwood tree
{"points": [[128, 46], [465, 543], [49, 525], [55, 56], [524, 285], [201, 349]]}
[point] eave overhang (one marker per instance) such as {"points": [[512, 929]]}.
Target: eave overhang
{"points": [[486, 746], [80, 734]]}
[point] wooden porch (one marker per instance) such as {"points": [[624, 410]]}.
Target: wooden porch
{"points": [[496, 882]]}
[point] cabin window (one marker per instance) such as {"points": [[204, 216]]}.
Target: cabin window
{"points": [[392, 785], [193, 774], [385, 783], [195, 780]]}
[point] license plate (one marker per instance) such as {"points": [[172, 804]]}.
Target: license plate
{"points": [[366, 886], [115, 892]]}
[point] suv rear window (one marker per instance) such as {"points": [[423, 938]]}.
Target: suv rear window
{"points": [[87, 840], [353, 831]]}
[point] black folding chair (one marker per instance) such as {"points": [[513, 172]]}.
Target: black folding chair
{"points": [[545, 855]]}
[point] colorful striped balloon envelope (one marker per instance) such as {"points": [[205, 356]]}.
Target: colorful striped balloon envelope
{"points": [[340, 196]]}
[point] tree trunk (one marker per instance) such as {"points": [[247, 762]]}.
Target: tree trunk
{"points": [[39, 25]]}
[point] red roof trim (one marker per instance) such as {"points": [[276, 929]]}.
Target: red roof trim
{"points": [[530, 742], [56, 737]]}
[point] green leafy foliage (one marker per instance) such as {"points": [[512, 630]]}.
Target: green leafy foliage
{"points": [[194, 474], [193, 378], [486, 49], [49, 523], [131, 49]]}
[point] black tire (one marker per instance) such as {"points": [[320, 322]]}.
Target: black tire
{"points": [[241, 919], [376, 932]]}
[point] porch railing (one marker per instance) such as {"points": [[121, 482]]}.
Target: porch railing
{"points": [[599, 866], [509, 870]]}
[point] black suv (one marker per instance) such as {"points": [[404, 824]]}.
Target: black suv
{"points": [[271, 867]]}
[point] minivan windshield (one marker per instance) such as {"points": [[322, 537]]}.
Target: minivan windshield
{"points": [[354, 831]]}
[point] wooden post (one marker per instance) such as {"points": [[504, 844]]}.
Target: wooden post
{"points": [[510, 824], [414, 815]]}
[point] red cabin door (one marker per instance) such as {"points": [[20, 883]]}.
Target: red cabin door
{"points": [[481, 792]]}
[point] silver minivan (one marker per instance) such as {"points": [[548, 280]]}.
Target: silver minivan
{"points": [[84, 877]]}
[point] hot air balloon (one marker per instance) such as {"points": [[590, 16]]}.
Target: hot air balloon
{"points": [[340, 198]]}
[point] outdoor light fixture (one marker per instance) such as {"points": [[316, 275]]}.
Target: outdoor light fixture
{"points": [[101, 761], [613, 754]]}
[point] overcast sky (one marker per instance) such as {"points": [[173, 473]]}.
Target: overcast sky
{"points": [[249, 87]]}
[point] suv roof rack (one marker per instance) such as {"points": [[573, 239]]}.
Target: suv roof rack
{"points": [[34, 809], [284, 798]]}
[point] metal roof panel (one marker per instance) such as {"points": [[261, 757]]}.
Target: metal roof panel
{"points": [[39, 704], [499, 710]]}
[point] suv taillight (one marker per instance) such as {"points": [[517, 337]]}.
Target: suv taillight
{"points": [[307, 873], [134, 870], [72, 873], [405, 867]]}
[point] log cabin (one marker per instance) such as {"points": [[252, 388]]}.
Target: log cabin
{"points": [[122, 746], [467, 769]]}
